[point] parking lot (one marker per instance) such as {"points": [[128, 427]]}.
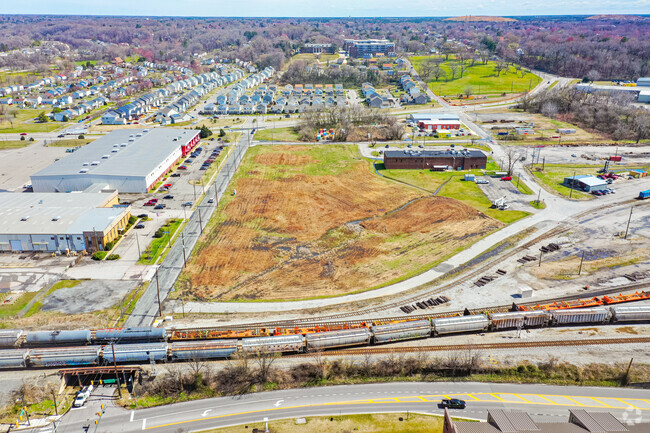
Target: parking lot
{"points": [[496, 189]]}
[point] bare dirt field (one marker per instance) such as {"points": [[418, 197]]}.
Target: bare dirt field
{"points": [[311, 221]]}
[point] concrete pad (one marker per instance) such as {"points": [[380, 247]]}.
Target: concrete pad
{"points": [[88, 296]]}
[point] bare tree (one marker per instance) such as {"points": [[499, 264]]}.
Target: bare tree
{"points": [[512, 156], [453, 68], [437, 72]]}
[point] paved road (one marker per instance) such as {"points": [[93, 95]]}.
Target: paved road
{"points": [[146, 310], [544, 403]]}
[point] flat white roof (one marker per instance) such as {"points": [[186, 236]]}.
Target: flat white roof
{"points": [[55, 213], [123, 152]]}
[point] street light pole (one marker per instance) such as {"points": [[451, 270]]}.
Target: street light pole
{"points": [[117, 376], [200, 221], [158, 291]]}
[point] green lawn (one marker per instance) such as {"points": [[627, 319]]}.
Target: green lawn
{"points": [[467, 192], [554, 174], [481, 78], [158, 245], [15, 120], [14, 144], [10, 310], [277, 134]]}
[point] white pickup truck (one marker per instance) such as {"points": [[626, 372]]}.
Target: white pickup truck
{"points": [[82, 396]]}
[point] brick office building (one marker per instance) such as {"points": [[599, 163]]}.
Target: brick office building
{"points": [[435, 159]]}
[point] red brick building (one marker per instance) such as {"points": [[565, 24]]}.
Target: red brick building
{"points": [[435, 159]]}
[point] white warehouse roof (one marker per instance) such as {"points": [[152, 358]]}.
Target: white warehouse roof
{"points": [[124, 152], [56, 213]]}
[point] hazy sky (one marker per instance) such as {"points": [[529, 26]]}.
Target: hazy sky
{"points": [[313, 8]]}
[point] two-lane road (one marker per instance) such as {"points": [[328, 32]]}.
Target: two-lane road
{"points": [[544, 403]]}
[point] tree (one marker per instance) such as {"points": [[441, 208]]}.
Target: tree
{"points": [[512, 156], [56, 110], [453, 68], [499, 67], [42, 117], [641, 125], [438, 72], [205, 131], [468, 91], [222, 133]]}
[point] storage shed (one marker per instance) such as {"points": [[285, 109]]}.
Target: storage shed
{"points": [[585, 183]]}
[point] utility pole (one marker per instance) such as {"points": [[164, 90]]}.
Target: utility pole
{"points": [[137, 241], [540, 259], [194, 187], [628, 223], [517, 181], [200, 221], [117, 376], [538, 196], [158, 290], [581, 260], [543, 163], [56, 408], [573, 182], [183, 242]]}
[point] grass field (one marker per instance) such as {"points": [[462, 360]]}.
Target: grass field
{"points": [[311, 58], [14, 144], [16, 124], [360, 231], [481, 78], [367, 423], [467, 192], [277, 134], [158, 245]]}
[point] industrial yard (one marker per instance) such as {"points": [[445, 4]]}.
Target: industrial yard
{"points": [[360, 232]]}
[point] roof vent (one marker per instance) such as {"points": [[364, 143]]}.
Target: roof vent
{"points": [[95, 163], [131, 136], [86, 164], [83, 170], [115, 150], [131, 140], [144, 131], [123, 145], [138, 134], [25, 218], [56, 218], [105, 156], [116, 145]]}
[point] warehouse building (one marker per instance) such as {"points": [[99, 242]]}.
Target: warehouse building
{"points": [[416, 118], [585, 183], [128, 160], [54, 222], [438, 160], [580, 421]]}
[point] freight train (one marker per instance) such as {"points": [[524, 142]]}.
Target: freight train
{"points": [[138, 345]]}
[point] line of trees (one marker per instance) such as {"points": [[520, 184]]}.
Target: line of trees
{"points": [[574, 47], [609, 114]]}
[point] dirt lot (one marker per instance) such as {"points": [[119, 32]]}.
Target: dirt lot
{"points": [[312, 221]]}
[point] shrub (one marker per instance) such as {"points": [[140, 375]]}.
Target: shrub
{"points": [[81, 137], [159, 233], [99, 255], [132, 219], [31, 138], [109, 246], [22, 138], [113, 257]]}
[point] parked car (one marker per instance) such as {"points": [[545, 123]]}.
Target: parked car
{"points": [[211, 200], [159, 206], [139, 226], [187, 203], [175, 175], [143, 215], [60, 136], [168, 197], [203, 167], [506, 178], [482, 181], [453, 403], [182, 167]]}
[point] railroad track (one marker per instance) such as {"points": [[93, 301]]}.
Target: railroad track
{"points": [[479, 346], [335, 319]]}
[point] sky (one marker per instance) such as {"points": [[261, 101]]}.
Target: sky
{"points": [[319, 8]]}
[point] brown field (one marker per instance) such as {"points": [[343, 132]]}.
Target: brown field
{"points": [[311, 221]]}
